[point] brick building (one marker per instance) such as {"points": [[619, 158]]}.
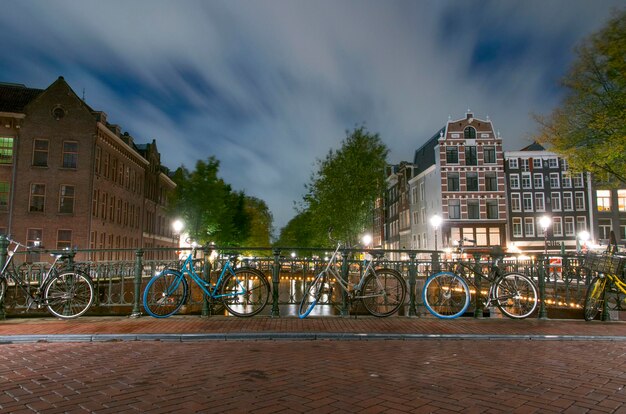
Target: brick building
{"points": [[70, 179]]}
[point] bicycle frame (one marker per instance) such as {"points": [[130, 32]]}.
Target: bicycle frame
{"points": [[14, 275], [210, 291]]}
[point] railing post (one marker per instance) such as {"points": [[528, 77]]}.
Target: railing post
{"points": [[207, 303], [4, 247], [275, 283], [136, 313], [436, 266], [345, 268], [412, 283], [543, 312], [478, 304]]}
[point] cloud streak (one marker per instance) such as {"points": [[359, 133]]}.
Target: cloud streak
{"points": [[268, 87]]}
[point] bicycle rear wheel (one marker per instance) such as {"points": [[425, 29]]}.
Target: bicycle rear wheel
{"points": [[383, 292], [446, 295], [516, 295], [312, 295], [68, 294], [246, 292], [165, 293], [594, 299], [3, 288]]}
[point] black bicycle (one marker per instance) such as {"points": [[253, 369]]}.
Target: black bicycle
{"points": [[66, 292]]}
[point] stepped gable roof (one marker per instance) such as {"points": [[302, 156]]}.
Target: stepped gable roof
{"points": [[535, 146], [14, 97], [425, 155]]}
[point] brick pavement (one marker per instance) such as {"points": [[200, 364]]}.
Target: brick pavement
{"points": [[483, 374]]}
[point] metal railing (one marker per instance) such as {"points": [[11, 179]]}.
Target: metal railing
{"points": [[119, 284]]}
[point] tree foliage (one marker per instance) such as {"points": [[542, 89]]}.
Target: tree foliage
{"points": [[260, 224], [589, 127], [342, 192], [211, 210]]}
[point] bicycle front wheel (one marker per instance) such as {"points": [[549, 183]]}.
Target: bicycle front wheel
{"points": [[69, 294], [516, 295], [312, 295], [246, 292], [165, 293], [383, 292], [446, 295], [594, 299]]}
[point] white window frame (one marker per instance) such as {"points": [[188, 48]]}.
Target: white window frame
{"points": [[555, 180], [517, 221], [538, 180], [529, 224], [513, 164], [568, 201], [557, 226], [579, 201], [516, 202], [514, 181], [553, 197], [527, 197], [569, 226], [540, 202]]}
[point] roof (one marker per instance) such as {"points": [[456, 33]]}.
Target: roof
{"points": [[14, 97], [425, 155], [535, 146]]}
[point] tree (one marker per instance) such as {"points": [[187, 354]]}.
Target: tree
{"points": [[298, 232], [341, 194], [260, 224], [589, 127], [212, 212]]}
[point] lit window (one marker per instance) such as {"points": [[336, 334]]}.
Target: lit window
{"points": [[604, 200], [6, 150], [34, 237], [4, 196]]}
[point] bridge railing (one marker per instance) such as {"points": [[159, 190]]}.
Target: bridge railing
{"points": [[119, 283]]}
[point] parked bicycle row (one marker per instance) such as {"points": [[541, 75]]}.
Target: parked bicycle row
{"points": [[242, 289]]}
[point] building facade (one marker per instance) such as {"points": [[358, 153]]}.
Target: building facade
{"points": [[68, 178]]}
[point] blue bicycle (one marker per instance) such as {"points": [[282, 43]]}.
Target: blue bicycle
{"points": [[244, 291]]}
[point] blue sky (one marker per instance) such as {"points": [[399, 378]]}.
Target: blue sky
{"points": [[269, 86]]}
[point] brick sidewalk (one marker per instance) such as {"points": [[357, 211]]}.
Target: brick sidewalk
{"points": [[344, 328]]}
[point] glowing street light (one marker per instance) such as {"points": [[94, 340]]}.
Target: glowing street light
{"points": [[583, 238], [367, 240], [178, 225], [435, 221], [545, 222]]}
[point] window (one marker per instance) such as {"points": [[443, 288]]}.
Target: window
{"points": [[556, 201], [70, 154], [40, 153], [37, 197], [565, 165], [554, 180], [472, 181], [581, 223], [526, 182], [452, 155], [538, 181], [491, 181], [481, 236], [6, 150], [516, 204], [492, 209], [489, 155], [453, 182], [557, 226], [98, 157], [553, 163], [517, 227], [66, 199], [527, 200], [622, 230], [469, 133], [422, 192], [529, 226], [604, 227], [537, 163], [494, 236], [621, 200], [34, 237], [524, 165], [4, 196], [568, 202], [604, 200], [454, 209], [470, 155], [473, 209], [569, 226], [566, 180], [540, 204], [580, 201], [514, 181], [513, 163], [64, 239], [578, 180]]}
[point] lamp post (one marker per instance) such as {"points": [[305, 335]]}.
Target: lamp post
{"points": [[435, 221], [545, 222], [581, 241]]}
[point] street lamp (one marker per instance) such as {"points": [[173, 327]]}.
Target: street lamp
{"points": [[367, 240], [178, 226], [545, 222], [583, 238], [435, 221]]}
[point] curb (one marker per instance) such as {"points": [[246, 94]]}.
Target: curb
{"points": [[292, 336]]}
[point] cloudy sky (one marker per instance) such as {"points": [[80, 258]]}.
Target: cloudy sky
{"points": [[269, 86]]}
